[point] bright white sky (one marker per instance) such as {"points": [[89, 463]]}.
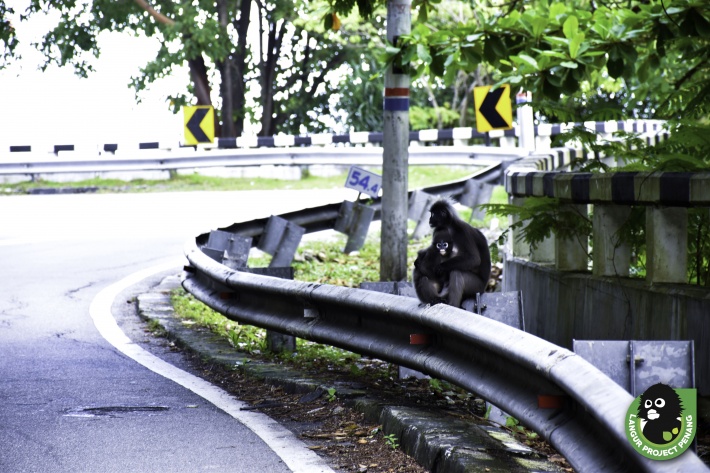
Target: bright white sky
{"points": [[58, 107]]}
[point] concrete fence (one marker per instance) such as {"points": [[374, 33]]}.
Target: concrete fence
{"points": [[568, 298]]}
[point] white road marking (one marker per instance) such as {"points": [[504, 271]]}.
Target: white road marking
{"points": [[282, 441]]}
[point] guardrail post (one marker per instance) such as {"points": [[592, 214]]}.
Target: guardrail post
{"points": [[666, 244], [571, 253], [611, 256], [230, 249], [419, 205], [354, 220], [280, 239], [474, 194]]}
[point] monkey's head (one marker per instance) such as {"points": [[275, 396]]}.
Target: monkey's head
{"points": [[442, 246], [443, 241], [661, 404], [442, 213]]}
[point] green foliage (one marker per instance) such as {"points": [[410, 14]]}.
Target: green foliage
{"points": [[331, 394], [391, 441], [422, 118], [539, 217], [8, 39], [514, 425], [699, 247]]}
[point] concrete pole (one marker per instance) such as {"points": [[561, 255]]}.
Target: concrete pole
{"points": [[395, 159], [526, 121]]}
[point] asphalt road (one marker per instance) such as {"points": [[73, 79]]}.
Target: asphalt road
{"points": [[70, 401]]}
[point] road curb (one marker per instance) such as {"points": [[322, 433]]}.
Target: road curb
{"points": [[440, 443]]}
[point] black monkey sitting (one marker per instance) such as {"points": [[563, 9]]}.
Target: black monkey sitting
{"points": [[660, 408], [469, 269], [430, 287]]}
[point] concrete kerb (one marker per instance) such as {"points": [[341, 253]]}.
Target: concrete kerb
{"points": [[437, 441]]}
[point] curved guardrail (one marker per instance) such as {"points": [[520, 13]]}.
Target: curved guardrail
{"points": [[149, 160], [503, 365]]}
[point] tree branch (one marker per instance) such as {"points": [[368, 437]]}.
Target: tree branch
{"points": [[159, 17]]}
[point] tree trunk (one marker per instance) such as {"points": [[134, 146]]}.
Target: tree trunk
{"points": [[239, 66], [225, 71], [268, 76]]}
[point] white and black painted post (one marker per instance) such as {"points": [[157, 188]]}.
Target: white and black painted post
{"points": [[526, 121], [395, 159]]}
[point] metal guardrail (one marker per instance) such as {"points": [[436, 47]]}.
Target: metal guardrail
{"points": [[499, 363], [503, 365], [146, 160]]}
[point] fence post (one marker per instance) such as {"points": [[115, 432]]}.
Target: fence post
{"points": [[526, 121], [666, 244], [611, 256], [571, 253], [519, 247]]}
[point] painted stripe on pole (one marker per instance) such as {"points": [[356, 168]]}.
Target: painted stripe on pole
{"points": [[396, 92], [396, 104]]}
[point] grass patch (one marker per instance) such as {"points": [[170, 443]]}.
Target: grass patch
{"points": [[419, 176], [319, 261]]}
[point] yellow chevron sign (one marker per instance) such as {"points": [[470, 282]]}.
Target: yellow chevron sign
{"points": [[493, 109], [199, 124]]}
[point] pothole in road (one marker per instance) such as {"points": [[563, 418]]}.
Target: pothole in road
{"points": [[113, 411]]}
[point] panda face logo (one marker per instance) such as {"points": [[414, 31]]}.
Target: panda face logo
{"points": [[660, 411]]}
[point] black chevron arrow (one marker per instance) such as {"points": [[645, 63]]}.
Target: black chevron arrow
{"points": [[193, 124], [489, 112]]}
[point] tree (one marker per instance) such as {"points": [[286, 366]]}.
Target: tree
{"points": [[578, 50], [8, 40], [590, 60], [285, 55]]}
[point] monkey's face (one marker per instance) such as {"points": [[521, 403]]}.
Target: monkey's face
{"points": [[659, 402], [443, 247], [439, 216]]}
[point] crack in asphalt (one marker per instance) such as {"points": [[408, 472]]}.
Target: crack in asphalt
{"points": [[71, 292]]}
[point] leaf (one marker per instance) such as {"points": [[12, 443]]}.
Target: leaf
{"points": [[571, 27], [423, 53], [575, 44], [529, 60], [538, 25], [615, 67]]}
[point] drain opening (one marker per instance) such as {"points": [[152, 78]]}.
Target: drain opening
{"points": [[112, 411]]}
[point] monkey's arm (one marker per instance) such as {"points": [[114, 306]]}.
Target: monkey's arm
{"points": [[465, 262]]}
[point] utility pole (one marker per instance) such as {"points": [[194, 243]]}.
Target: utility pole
{"points": [[395, 159]]}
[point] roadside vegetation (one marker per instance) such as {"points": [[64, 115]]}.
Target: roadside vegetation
{"points": [[320, 261], [419, 176]]}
